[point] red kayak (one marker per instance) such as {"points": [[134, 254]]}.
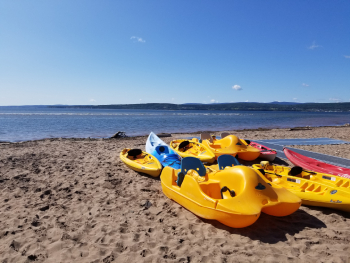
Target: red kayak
{"points": [[314, 165], [265, 152]]}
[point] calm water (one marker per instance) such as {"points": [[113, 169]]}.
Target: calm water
{"points": [[22, 123]]}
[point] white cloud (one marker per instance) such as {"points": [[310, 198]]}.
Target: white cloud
{"points": [[347, 56], [140, 99], [334, 99], [247, 101], [92, 100], [236, 87], [295, 98], [305, 85], [138, 39], [213, 101], [313, 46]]}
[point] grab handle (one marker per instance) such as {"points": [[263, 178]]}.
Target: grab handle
{"points": [[224, 189]]}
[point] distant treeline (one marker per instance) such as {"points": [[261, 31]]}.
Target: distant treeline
{"points": [[239, 106]]}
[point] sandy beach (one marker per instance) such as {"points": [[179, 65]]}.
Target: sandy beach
{"points": [[74, 200]]}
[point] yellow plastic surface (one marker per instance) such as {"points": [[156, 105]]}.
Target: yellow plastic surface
{"points": [[147, 164], [315, 189], [196, 150], [232, 145], [203, 197]]}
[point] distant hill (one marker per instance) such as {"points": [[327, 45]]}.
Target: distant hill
{"points": [[239, 106], [284, 103], [31, 106]]}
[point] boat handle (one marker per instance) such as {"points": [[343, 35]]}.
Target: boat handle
{"points": [[224, 189]]}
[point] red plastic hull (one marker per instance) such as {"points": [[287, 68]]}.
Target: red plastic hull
{"points": [[314, 165], [265, 152]]}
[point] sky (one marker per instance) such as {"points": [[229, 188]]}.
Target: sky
{"points": [[85, 52]]}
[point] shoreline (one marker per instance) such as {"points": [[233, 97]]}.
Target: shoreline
{"points": [[227, 106], [295, 128], [74, 200]]}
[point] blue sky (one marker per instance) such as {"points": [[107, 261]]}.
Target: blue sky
{"points": [[116, 52]]}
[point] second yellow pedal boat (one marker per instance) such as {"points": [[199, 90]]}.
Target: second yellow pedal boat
{"points": [[315, 189], [230, 145], [234, 196]]}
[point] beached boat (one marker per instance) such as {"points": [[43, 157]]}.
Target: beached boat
{"points": [[140, 161], [230, 145], [159, 149], [234, 196], [266, 153], [315, 165], [192, 148], [315, 189]]}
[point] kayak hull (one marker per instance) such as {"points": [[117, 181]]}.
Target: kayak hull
{"points": [[266, 153], [315, 165], [315, 189], [159, 149], [148, 164]]}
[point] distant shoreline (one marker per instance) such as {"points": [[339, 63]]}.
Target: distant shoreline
{"points": [[238, 106]]}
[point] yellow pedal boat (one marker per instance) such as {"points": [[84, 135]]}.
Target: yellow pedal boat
{"points": [[315, 189], [192, 148], [141, 161], [230, 145], [234, 196]]}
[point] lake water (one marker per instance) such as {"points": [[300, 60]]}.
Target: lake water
{"points": [[28, 123]]}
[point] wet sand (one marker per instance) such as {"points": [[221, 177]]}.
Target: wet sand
{"points": [[73, 200]]}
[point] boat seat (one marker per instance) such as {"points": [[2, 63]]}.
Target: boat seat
{"points": [[190, 163], [227, 160], [224, 134], [206, 136], [162, 149], [183, 145], [134, 152], [295, 171]]}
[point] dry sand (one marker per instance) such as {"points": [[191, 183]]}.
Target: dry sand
{"points": [[73, 200]]}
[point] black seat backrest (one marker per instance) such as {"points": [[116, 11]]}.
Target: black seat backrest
{"points": [[134, 152], [295, 170], [184, 144]]}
